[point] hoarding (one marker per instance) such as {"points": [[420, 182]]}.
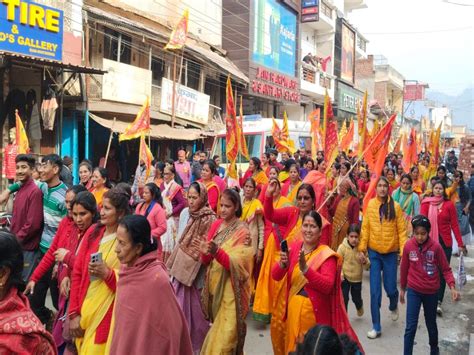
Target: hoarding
{"points": [[309, 11], [31, 29], [347, 53], [274, 36], [414, 92]]}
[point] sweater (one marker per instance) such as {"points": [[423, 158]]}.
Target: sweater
{"points": [[352, 269], [421, 266], [27, 219], [447, 221], [382, 235]]}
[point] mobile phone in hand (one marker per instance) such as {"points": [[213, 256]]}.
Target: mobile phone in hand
{"points": [[284, 246], [96, 257]]}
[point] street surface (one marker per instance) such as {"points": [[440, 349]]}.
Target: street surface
{"points": [[454, 326]]}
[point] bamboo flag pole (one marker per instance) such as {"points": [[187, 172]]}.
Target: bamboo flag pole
{"points": [[110, 142]]}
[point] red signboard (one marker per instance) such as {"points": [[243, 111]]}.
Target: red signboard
{"points": [[414, 92], [278, 86]]}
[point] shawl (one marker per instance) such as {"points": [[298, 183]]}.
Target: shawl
{"points": [[21, 332], [340, 224], [184, 262], [260, 177], [405, 200], [435, 205], [250, 209], [145, 287]]}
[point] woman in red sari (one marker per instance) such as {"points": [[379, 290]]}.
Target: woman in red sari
{"points": [[209, 170], [314, 296], [21, 332]]}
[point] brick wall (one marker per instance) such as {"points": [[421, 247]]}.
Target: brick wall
{"points": [[380, 93], [364, 68]]}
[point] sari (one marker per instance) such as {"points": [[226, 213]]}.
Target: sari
{"points": [[21, 332], [340, 222], [264, 296], [252, 215], [99, 195], [213, 194], [226, 293], [99, 298], [290, 191]]}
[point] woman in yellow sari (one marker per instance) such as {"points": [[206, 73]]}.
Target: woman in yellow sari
{"points": [[254, 171], [226, 293], [291, 186], [94, 281], [100, 185]]}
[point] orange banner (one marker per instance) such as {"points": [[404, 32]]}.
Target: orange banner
{"points": [[21, 137], [140, 125], [180, 33]]}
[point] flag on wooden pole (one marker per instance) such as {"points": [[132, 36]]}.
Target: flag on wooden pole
{"points": [[409, 152], [347, 139], [232, 131], [376, 154], [140, 125], [145, 155], [20, 135], [180, 33], [281, 136], [362, 124]]}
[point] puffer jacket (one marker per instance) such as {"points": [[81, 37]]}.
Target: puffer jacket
{"points": [[382, 236], [352, 269]]}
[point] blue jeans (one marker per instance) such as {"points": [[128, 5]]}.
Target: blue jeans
{"points": [[414, 302], [386, 264]]}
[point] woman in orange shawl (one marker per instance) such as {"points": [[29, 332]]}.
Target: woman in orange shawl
{"points": [[226, 293], [314, 296], [101, 184], [254, 171], [289, 218], [291, 186]]}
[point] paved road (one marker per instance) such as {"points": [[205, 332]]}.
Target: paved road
{"points": [[454, 327]]}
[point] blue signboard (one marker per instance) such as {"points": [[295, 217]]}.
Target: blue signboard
{"points": [[31, 29], [274, 38]]}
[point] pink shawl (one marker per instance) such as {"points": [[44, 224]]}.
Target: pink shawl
{"points": [[435, 204]]}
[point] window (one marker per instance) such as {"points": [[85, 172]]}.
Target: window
{"points": [[326, 10], [253, 144], [361, 44], [191, 75], [117, 46], [157, 70]]}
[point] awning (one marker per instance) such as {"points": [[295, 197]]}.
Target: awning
{"points": [[40, 62], [201, 50], [160, 131]]}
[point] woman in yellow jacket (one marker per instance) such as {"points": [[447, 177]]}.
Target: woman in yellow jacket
{"points": [[383, 236]]}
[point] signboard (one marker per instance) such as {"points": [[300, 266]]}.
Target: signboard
{"points": [[190, 104], [348, 98], [31, 29], [414, 92], [347, 53], [274, 36], [276, 86], [125, 83], [309, 11]]}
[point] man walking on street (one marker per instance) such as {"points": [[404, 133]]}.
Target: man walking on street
{"points": [[27, 219], [183, 168]]}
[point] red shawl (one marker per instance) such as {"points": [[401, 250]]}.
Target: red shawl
{"points": [[21, 332], [148, 319]]}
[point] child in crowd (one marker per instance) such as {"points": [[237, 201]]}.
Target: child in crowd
{"points": [[422, 263], [352, 269]]}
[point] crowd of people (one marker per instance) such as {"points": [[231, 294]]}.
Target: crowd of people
{"points": [[175, 262]]}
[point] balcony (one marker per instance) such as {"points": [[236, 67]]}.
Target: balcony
{"points": [[314, 82]]}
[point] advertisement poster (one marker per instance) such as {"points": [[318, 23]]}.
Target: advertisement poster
{"points": [[274, 40], [31, 29], [347, 54]]}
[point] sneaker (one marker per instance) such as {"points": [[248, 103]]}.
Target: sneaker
{"points": [[360, 311], [394, 314], [373, 334], [439, 310]]}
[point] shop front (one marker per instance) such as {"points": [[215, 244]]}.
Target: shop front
{"points": [[348, 100]]}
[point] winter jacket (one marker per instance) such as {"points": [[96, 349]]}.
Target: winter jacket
{"points": [[382, 235], [422, 265], [352, 269]]}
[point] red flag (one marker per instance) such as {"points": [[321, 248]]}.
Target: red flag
{"points": [[314, 118], [378, 151], [330, 133], [281, 136], [145, 155], [373, 151], [231, 137], [409, 152], [348, 137], [180, 33], [398, 143], [328, 114], [140, 125]]}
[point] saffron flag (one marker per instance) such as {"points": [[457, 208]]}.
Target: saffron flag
{"points": [[330, 136], [377, 152], [232, 136], [281, 136], [314, 118], [409, 152], [362, 124], [242, 143], [376, 146], [145, 155], [140, 125], [347, 139], [180, 33], [20, 135], [327, 115], [342, 131], [396, 148]]}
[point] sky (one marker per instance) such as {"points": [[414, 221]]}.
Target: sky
{"points": [[430, 41]]}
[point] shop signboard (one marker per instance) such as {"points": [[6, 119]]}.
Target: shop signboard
{"points": [[190, 104], [274, 86], [309, 11], [31, 29], [349, 98], [274, 36]]}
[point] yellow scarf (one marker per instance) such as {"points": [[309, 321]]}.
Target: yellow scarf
{"points": [[250, 209]]}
